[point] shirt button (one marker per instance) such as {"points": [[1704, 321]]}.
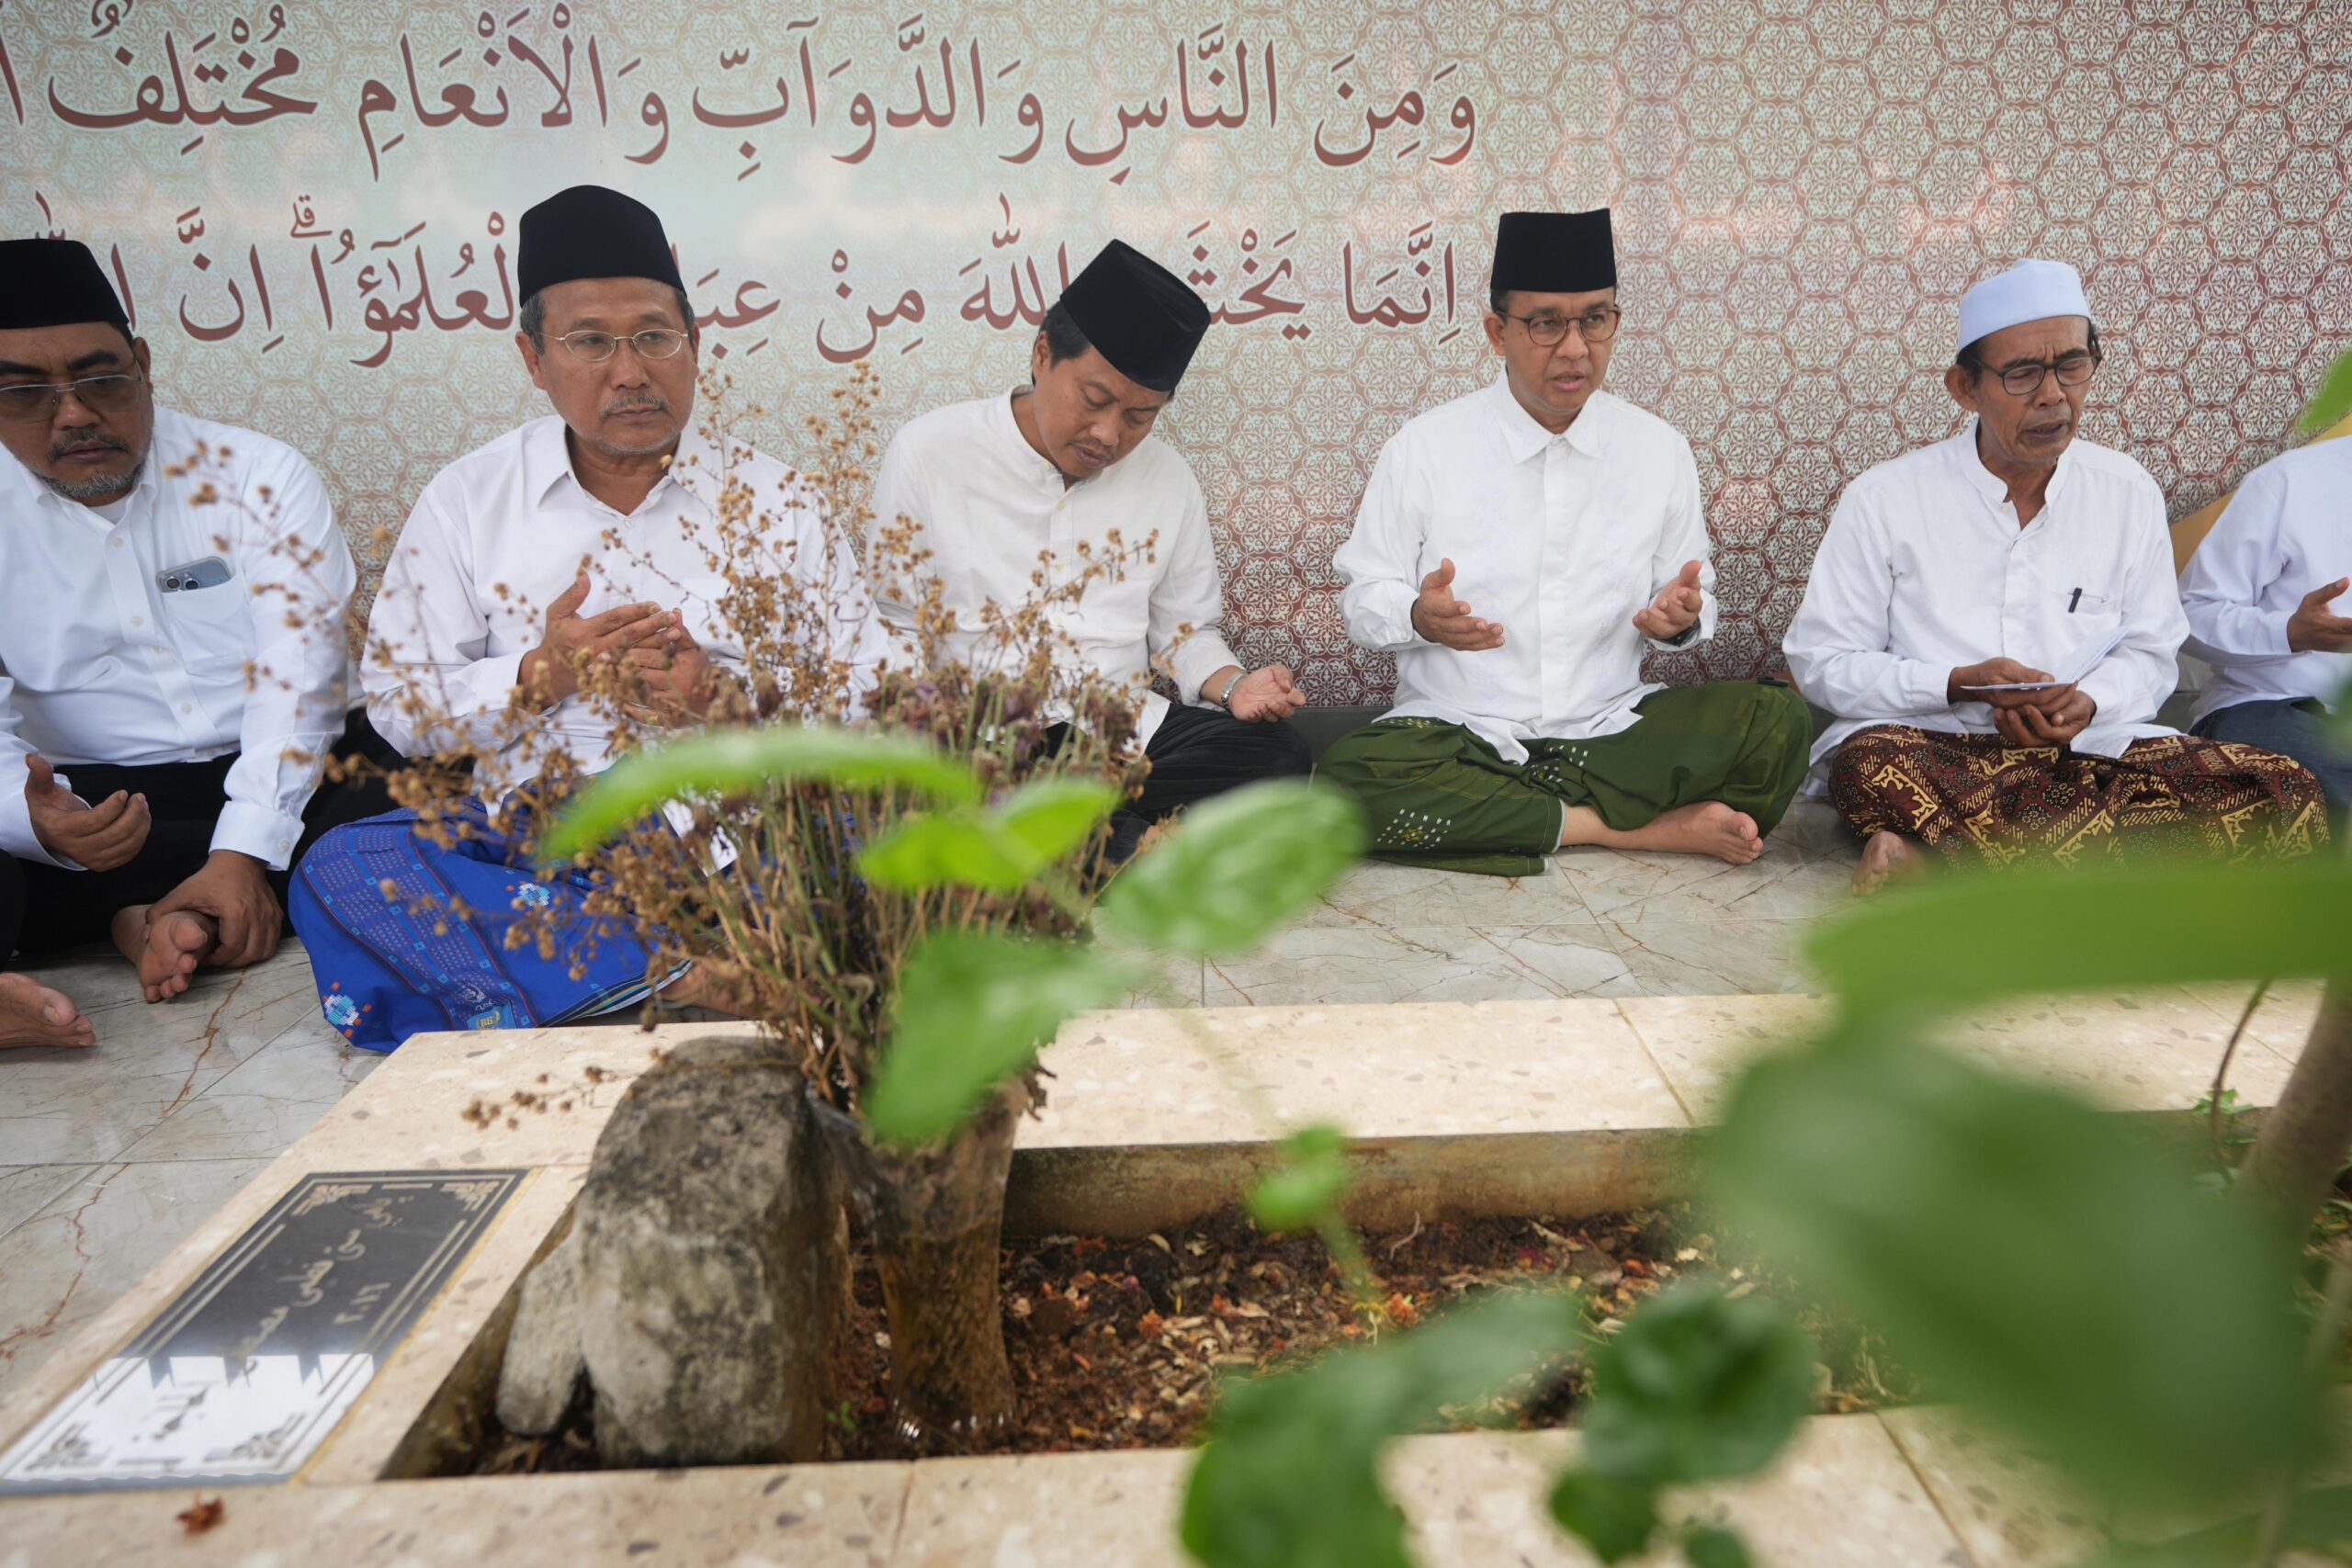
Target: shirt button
{"points": [[116, 543], [138, 620], [186, 706]]}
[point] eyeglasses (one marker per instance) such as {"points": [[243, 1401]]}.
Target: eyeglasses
{"points": [[1596, 325], [30, 401], [653, 343], [2072, 370]]}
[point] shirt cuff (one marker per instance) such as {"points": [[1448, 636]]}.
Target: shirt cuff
{"points": [[18, 837], [1925, 686], [2111, 688], [2274, 631], [268, 836]]}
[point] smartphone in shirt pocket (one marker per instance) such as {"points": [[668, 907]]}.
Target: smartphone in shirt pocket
{"points": [[204, 607]]}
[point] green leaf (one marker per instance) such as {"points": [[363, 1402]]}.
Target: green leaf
{"points": [[1309, 1183], [1614, 1518], [1942, 944], [2038, 1260], [998, 850], [2333, 400], [1714, 1548], [1236, 867], [972, 1010], [1288, 1479], [1697, 1387], [727, 762]]}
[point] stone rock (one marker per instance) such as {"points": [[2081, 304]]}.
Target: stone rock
{"points": [[713, 1263], [540, 1374]]}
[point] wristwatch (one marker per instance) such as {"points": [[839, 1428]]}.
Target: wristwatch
{"points": [[1224, 698]]}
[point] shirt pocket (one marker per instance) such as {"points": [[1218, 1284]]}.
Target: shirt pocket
{"points": [[210, 629]]}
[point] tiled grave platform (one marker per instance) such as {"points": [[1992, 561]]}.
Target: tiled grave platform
{"points": [[1417, 1083]]}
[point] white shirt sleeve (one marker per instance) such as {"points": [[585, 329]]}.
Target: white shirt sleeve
{"points": [[299, 572], [1188, 596], [1838, 645], [17, 835], [895, 496], [860, 639], [2132, 682], [1380, 563], [2222, 585], [1683, 540], [429, 686]]}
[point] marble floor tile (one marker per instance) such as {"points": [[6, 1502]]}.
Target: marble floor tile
{"points": [[1319, 965], [257, 1109], [1374, 894], [94, 1241], [26, 1190], [1783, 882], [148, 1061], [1711, 957], [1817, 832]]}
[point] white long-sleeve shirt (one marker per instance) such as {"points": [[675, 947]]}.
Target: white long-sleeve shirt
{"points": [[2287, 531], [1559, 539], [99, 664], [988, 505], [502, 533], [1923, 570]]}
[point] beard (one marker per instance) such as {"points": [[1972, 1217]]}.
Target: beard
{"points": [[97, 487]]}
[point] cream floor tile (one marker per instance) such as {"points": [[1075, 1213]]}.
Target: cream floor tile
{"points": [[1047, 1511], [148, 1061], [26, 1190], [258, 1108], [94, 1241], [1700, 1043], [1380, 1071], [2284, 1020], [1319, 966], [1378, 895], [1684, 956], [2152, 1050], [2009, 1512]]}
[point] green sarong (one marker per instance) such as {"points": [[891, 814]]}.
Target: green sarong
{"points": [[1438, 795]]}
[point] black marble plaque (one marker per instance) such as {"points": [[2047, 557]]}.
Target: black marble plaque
{"points": [[242, 1377]]}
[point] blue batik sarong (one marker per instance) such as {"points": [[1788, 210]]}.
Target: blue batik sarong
{"points": [[372, 903]]}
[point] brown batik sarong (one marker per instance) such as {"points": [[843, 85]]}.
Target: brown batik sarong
{"points": [[1978, 800]]}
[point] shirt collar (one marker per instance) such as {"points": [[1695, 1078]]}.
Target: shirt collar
{"points": [[1983, 481], [547, 460], [29, 488], [1038, 468], [1524, 437]]}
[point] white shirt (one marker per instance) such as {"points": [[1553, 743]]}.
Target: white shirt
{"points": [[1924, 569], [988, 505], [98, 664], [1558, 540], [2287, 531], [502, 532]]}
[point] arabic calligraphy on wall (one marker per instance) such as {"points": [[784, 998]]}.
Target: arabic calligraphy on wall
{"points": [[307, 205]]}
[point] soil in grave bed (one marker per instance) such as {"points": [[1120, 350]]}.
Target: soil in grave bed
{"points": [[1121, 1344]]}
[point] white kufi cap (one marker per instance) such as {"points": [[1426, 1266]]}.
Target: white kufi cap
{"points": [[2029, 291]]}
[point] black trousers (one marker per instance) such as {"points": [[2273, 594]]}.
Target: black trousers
{"points": [[1198, 752], [44, 907]]}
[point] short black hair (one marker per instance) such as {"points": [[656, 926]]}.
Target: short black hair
{"points": [[1065, 339], [532, 320], [1971, 357], [1497, 299]]}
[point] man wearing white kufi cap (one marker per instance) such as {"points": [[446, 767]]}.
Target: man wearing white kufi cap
{"points": [[1993, 622]]}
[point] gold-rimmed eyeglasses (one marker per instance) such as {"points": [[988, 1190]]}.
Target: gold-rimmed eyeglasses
{"points": [[30, 401], [653, 343]]}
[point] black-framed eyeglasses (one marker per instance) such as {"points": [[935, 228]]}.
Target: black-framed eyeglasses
{"points": [[2072, 370], [29, 401], [653, 343], [1596, 325]]}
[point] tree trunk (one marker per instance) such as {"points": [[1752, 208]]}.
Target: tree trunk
{"points": [[2306, 1136], [935, 1216]]}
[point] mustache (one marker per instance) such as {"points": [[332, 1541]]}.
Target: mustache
{"points": [[89, 439], [653, 401]]}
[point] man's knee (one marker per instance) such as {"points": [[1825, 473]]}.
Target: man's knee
{"points": [[1287, 753]]}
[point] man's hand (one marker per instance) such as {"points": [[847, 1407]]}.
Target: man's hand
{"points": [[550, 672], [1263, 695], [96, 838], [2311, 627], [672, 681], [1675, 609], [2004, 672], [235, 890], [1445, 620], [2054, 724]]}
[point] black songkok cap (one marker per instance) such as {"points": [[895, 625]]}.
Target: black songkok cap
{"points": [[1555, 252], [1138, 315], [55, 283], [588, 231]]}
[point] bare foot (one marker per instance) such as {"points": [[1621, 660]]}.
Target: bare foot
{"points": [[694, 989], [1887, 857], [1710, 828], [35, 1014], [166, 952]]}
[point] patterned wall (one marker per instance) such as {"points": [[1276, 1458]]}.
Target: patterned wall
{"points": [[311, 203]]}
